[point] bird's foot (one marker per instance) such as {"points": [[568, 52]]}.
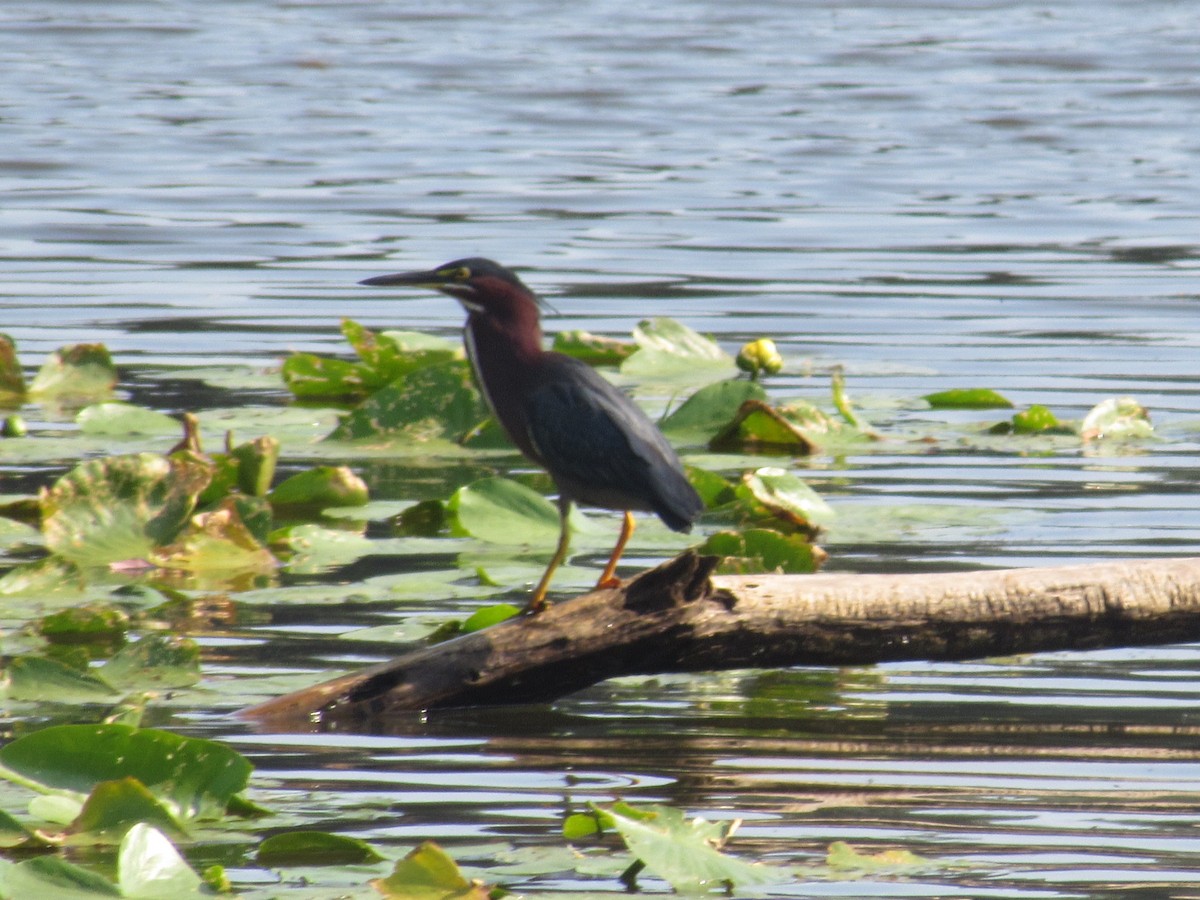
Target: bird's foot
{"points": [[611, 583], [535, 606]]}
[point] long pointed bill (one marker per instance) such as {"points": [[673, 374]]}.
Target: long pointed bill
{"points": [[433, 278]]}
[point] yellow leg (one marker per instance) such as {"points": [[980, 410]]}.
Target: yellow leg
{"points": [[608, 577], [538, 601]]}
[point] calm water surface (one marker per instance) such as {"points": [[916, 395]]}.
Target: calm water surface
{"points": [[933, 195]]}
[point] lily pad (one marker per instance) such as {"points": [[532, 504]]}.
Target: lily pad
{"points": [[12, 379], [121, 507], [503, 511], [593, 349], [52, 876], [428, 873], [315, 848], [684, 853], [113, 807], [669, 349], [77, 371], [320, 487], [49, 680], [1116, 417], [785, 497], [193, 778], [120, 419], [438, 401], [758, 550], [712, 407], [968, 398]]}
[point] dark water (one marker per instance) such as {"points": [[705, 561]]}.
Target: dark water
{"points": [[933, 195]]}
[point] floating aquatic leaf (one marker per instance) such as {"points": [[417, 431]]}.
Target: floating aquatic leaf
{"points": [[787, 498], [114, 806], [49, 680], [387, 356], [12, 379], [315, 848], [216, 542], [593, 349], [319, 488], [684, 853], [438, 401], [312, 377], [712, 407], [150, 868], [503, 511], [758, 550], [1034, 420], [256, 461], [52, 876], [154, 661], [489, 616], [124, 419], [121, 507], [669, 349], [317, 549], [968, 398], [851, 863], [1116, 417], [194, 778], [91, 623], [757, 426], [13, 833], [428, 873], [77, 371]]}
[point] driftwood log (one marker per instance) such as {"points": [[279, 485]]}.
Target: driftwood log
{"points": [[679, 618]]}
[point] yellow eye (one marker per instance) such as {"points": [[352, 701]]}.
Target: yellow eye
{"points": [[462, 273]]}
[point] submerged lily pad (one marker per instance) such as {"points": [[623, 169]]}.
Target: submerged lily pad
{"points": [[315, 848]]}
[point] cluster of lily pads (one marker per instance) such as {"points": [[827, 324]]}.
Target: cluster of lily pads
{"points": [[116, 560]]}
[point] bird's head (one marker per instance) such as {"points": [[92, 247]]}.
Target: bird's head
{"points": [[480, 285]]}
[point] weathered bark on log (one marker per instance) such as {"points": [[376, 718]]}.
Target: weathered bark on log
{"points": [[676, 618]]}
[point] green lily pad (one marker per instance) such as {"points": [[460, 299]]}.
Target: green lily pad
{"points": [[684, 853], [256, 461], [13, 833], [593, 349], [489, 616], [52, 876], [193, 778], [121, 507], [390, 355], [713, 406], [155, 661], [77, 371], [439, 401], [216, 542], [12, 379], [113, 807], [428, 873], [669, 349], [1034, 420], [119, 419], [320, 487], [503, 511], [758, 550], [49, 680], [852, 863], [786, 498], [968, 398], [312, 377], [315, 848]]}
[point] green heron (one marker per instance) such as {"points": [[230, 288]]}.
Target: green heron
{"points": [[597, 445]]}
